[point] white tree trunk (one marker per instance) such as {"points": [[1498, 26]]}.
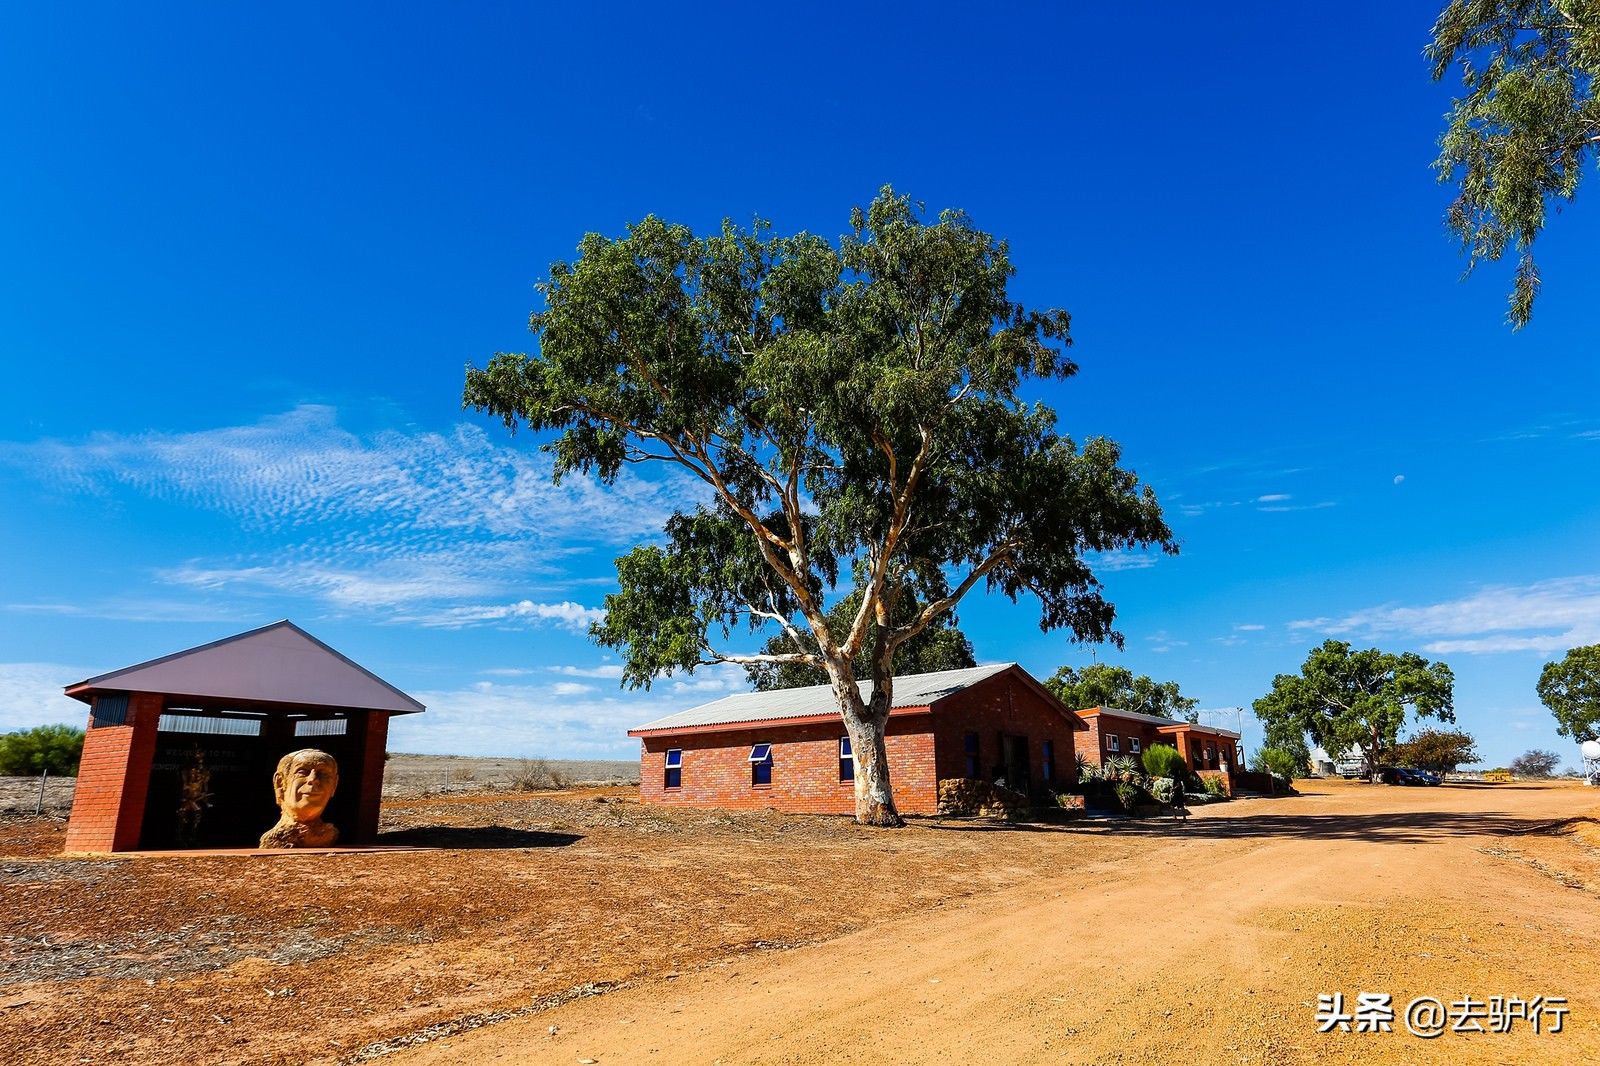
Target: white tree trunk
{"points": [[866, 726]]}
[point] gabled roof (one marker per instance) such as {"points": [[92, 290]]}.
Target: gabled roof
{"points": [[1171, 724], [817, 701], [279, 663]]}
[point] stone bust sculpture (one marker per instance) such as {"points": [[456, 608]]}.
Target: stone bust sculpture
{"points": [[303, 784]]}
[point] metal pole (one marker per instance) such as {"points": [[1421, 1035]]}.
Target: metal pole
{"points": [[38, 808]]}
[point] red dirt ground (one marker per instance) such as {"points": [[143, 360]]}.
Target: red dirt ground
{"points": [[1092, 942]]}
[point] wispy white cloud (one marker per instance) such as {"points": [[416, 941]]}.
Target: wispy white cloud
{"points": [[567, 615], [1274, 497], [146, 609], [709, 681], [1162, 642], [30, 695], [1544, 617], [446, 523], [558, 720], [612, 671], [1280, 508], [1249, 627], [1113, 561], [301, 467]]}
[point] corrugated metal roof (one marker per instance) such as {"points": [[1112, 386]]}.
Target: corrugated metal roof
{"points": [[912, 690]]}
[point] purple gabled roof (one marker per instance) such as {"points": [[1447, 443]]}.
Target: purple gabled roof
{"points": [[279, 663]]}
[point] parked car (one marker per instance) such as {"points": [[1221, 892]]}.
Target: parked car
{"points": [[1399, 775], [1428, 777]]}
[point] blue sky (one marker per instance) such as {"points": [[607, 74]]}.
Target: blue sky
{"points": [[249, 252]]}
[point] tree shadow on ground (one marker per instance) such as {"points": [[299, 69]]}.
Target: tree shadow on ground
{"points": [[465, 837], [1408, 827]]}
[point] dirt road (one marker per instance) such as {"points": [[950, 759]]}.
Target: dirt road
{"points": [[1207, 944]]}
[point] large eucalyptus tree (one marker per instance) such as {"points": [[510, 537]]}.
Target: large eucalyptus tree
{"points": [[851, 408], [1526, 128]]}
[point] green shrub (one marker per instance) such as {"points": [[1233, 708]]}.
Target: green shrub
{"points": [[1163, 760], [56, 748], [1163, 789], [1216, 788], [1122, 768], [1278, 763], [1128, 794]]}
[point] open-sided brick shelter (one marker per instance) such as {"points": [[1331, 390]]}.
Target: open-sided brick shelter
{"points": [[787, 749], [180, 750], [1209, 751]]}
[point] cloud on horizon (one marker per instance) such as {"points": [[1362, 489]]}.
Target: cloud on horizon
{"points": [[30, 695], [561, 719], [1546, 617]]}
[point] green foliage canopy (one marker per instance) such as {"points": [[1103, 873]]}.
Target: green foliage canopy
{"points": [[1441, 750], [1164, 760], [56, 748], [1526, 126], [1286, 735], [1280, 763], [1570, 687], [941, 646], [849, 409], [1104, 685], [1343, 698]]}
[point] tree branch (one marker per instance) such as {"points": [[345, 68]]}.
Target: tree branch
{"points": [[751, 660], [938, 607]]}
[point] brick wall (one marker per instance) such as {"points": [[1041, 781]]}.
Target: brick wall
{"points": [[113, 780], [996, 707], [923, 749], [1093, 743], [805, 769], [1207, 751], [374, 749]]}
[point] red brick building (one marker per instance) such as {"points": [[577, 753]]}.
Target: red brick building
{"points": [[1112, 732], [788, 750], [180, 751]]}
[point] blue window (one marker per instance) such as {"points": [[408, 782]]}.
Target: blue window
{"points": [[109, 709], [761, 765], [847, 760], [674, 768], [1049, 760], [970, 745]]}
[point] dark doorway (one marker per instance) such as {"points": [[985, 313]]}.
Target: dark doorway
{"points": [[1018, 776], [211, 777]]}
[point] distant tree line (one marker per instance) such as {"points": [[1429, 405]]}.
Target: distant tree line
{"points": [[28, 752]]}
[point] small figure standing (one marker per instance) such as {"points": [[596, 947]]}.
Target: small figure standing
{"points": [[303, 784], [194, 797]]}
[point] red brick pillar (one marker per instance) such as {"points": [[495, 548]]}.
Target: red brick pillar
{"points": [[1184, 748], [374, 739], [114, 779]]}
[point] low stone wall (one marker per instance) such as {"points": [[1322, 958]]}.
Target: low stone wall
{"points": [[1264, 783], [971, 795]]}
